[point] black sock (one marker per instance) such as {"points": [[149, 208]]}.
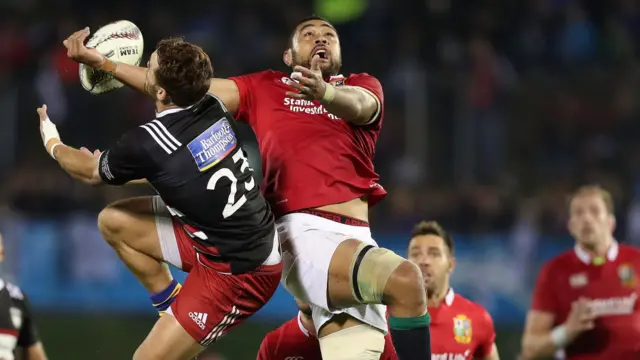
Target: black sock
{"points": [[411, 337]]}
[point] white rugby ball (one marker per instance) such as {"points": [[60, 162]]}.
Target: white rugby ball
{"points": [[119, 41]]}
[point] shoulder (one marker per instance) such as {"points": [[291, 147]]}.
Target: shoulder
{"points": [[362, 79], [259, 77], [629, 250], [474, 310], [14, 290], [558, 263], [285, 331]]}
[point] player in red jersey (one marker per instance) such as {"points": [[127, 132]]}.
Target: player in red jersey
{"points": [[460, 328], [297, 340], [585, 300], [317, 131]]}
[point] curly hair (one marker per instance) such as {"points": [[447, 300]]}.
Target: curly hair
{"points": [[184, 71]]}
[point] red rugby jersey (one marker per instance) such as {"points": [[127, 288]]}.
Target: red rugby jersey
{"points": [[292, 341], [460, 329], [611, 284], [310, 157]]}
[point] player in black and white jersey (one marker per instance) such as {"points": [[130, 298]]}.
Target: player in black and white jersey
{"points": [[209, 218], [18, 336]]}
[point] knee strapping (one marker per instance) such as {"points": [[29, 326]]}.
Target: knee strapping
{"points": [[370, 270], [361, 342]]}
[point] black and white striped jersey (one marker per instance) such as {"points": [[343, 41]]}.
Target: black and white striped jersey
{"points": [[194, 159], [17, 329]]}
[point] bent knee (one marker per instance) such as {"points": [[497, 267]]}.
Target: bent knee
{"points": [[406, 285], [111, 221], [362, 342]]}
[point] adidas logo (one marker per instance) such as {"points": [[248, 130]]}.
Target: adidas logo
{"points": [[199, 318]]}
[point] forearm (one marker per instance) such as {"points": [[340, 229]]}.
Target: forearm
{"points": [[138, 182], [538, 345], [35, 352], [77, 164], [133, 76], [352, 104]]}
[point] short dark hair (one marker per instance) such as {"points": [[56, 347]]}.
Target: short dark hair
{"points": [[184, 71], [302, 21], [433, 228]]}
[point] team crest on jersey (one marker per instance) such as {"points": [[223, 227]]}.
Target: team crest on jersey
{"points": [[462, 329], [213, 145], [627, 275], [16, 317]]}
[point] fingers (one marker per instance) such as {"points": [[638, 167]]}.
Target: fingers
{"points": [[300, 88], [315, 63], [88, 152], [306, 72], [42, 111], [76, 41], [304, 80]]}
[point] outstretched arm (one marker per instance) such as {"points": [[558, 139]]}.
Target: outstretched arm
{"points": [[80, 164], [135, 76]]}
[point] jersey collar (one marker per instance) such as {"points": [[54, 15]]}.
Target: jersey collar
{"points": [[448, 299], [586, 258], [301, 326], [171, 111]]}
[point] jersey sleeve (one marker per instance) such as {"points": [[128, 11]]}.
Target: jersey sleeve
{"points": [[126, 160], [372, 86], [544, 298], [266, 349], [247, 85], [488, 336], [28, 335]]}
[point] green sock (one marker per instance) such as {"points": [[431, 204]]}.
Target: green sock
{"points": [[411, 337]]}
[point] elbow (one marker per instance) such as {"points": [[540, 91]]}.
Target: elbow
{"points": [[92, 181]]}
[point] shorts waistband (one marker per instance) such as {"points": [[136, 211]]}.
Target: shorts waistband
{"points": [[339, 218]]}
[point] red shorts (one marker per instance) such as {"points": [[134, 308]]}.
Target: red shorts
{"points": [[212, 301]]}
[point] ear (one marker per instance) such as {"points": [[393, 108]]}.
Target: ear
{"points": [[452, 264], [612, 223], [287, 57], [161, 94]]}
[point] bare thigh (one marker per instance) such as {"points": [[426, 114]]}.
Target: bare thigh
{"points": [[168, 341], [132, 222]]}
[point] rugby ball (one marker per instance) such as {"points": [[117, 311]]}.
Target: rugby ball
{"points": [[119, 41]]}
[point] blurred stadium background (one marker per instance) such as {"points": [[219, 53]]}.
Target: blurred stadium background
{"points": [[495, 110]]}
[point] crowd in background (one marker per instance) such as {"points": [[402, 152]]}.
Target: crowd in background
{"points": [[495, 110]]}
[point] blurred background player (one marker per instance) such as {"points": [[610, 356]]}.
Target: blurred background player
{"points": [[322, 195], [18, 336], [208, 218], [586, 300], [460, 328], [297, 339]]}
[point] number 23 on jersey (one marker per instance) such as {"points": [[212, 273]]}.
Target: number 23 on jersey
{"points": [[213, 146]]}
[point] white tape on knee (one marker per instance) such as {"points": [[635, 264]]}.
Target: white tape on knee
{"points": [[362, 342]]}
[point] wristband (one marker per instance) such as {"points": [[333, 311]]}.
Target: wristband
{"points": [[52, 148], [109, 66], [559, 336], [329, 94]]}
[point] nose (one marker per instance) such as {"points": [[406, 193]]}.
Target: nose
{"points": [[321, 40]]}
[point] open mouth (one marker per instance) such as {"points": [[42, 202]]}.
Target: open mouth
{"points": [[322, 53]]}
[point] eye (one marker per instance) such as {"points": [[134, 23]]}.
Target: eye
{"points": [[330, 34], [308, 33]]}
